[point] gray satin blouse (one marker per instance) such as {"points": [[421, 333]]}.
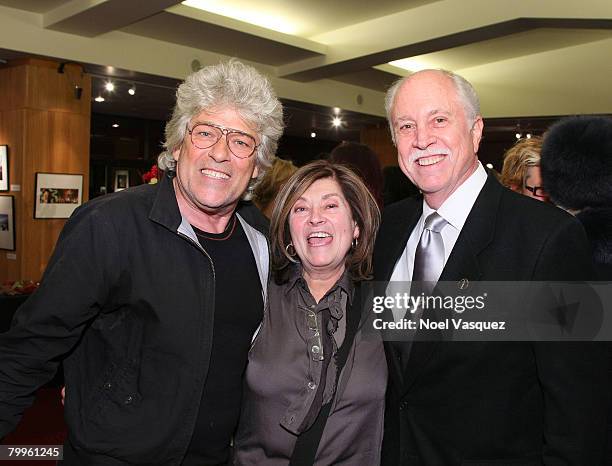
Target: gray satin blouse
{"points": [[285, 373]]}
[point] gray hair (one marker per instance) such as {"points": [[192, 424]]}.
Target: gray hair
{"points": [[232, 84], [465, 91]]}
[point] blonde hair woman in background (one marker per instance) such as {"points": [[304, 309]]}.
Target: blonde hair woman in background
{"points": [[521, 170], [271, 183]]}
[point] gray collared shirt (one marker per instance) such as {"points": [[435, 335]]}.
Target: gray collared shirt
{"points": [[285, 371]]}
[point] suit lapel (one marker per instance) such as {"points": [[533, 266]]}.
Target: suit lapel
{"points": [[394, 233], [397, 225], [476, 234]]}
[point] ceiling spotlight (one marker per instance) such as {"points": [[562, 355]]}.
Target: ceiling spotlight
{"points": [[99, 99], [132, 90], [313, 134], [109, 86], [336, 122], [115, 125], [490, 165], [518, 135], [528, 135], [336, 110]]}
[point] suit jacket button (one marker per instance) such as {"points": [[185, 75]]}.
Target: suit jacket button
{"points": [[403, 405]]}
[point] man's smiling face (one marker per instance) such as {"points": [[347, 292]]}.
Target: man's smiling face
{"points": [[436, 143], [213, 180]]}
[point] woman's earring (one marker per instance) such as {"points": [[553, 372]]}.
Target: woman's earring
{"points": [[291, 252], [354, 243]]}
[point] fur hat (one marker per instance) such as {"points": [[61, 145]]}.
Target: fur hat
{"points": [[598, 226], [576, 162]]}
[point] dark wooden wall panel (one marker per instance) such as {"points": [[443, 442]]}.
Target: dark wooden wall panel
{"points": [[379, 139]]}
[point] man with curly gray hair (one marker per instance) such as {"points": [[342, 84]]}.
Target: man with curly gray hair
{"points": [[153, 293], [239, 86]]}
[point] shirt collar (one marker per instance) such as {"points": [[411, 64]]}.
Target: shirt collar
{"points": [[345, 283], [457, 207]]}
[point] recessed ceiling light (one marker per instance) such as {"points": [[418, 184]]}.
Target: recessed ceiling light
{"points": [[109, 86], [115, 125], [518, 135], [528, 135], [132, 90], [336, 110], [313, 135], [336, 122], [99, 99], [490, 165]]}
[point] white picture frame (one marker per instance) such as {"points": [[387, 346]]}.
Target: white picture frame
{"points": [[7, 222], [122, 180], [4, 168], [57, 195]]}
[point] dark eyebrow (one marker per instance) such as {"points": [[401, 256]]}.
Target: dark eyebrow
{"points": [[325, 196]]}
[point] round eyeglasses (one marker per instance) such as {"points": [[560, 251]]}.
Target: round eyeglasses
{"points": [[205, 135]]}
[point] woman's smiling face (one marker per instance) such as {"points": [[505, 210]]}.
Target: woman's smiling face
{"points": [[322, 228]]}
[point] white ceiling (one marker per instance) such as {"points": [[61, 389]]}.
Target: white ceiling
{"points": [[525, 57]]}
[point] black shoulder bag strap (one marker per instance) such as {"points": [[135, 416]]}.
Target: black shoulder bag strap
{"points": [[307, 442]]}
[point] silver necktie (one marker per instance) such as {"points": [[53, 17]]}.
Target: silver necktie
{"points": [[429, 255], [428, 265]]}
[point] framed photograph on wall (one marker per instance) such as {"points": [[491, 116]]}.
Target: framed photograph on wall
{"points": [[57, 195], [4, 169], [122, 180], [7, 222]]}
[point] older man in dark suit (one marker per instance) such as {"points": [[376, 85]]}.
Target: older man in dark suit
{"points": [[479, 402]]}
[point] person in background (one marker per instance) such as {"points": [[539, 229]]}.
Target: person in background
{"points": [[265, 193], [577, 171], [315, 385], [397, 186], [480, 402], [521, 169], [152, 295], [364, 161]]}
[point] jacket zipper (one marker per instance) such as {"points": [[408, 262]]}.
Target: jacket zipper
{"points": [[199, 246], [212, 265]]}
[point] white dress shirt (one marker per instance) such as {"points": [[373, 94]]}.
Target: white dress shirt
{"points": [[455, 211]]}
